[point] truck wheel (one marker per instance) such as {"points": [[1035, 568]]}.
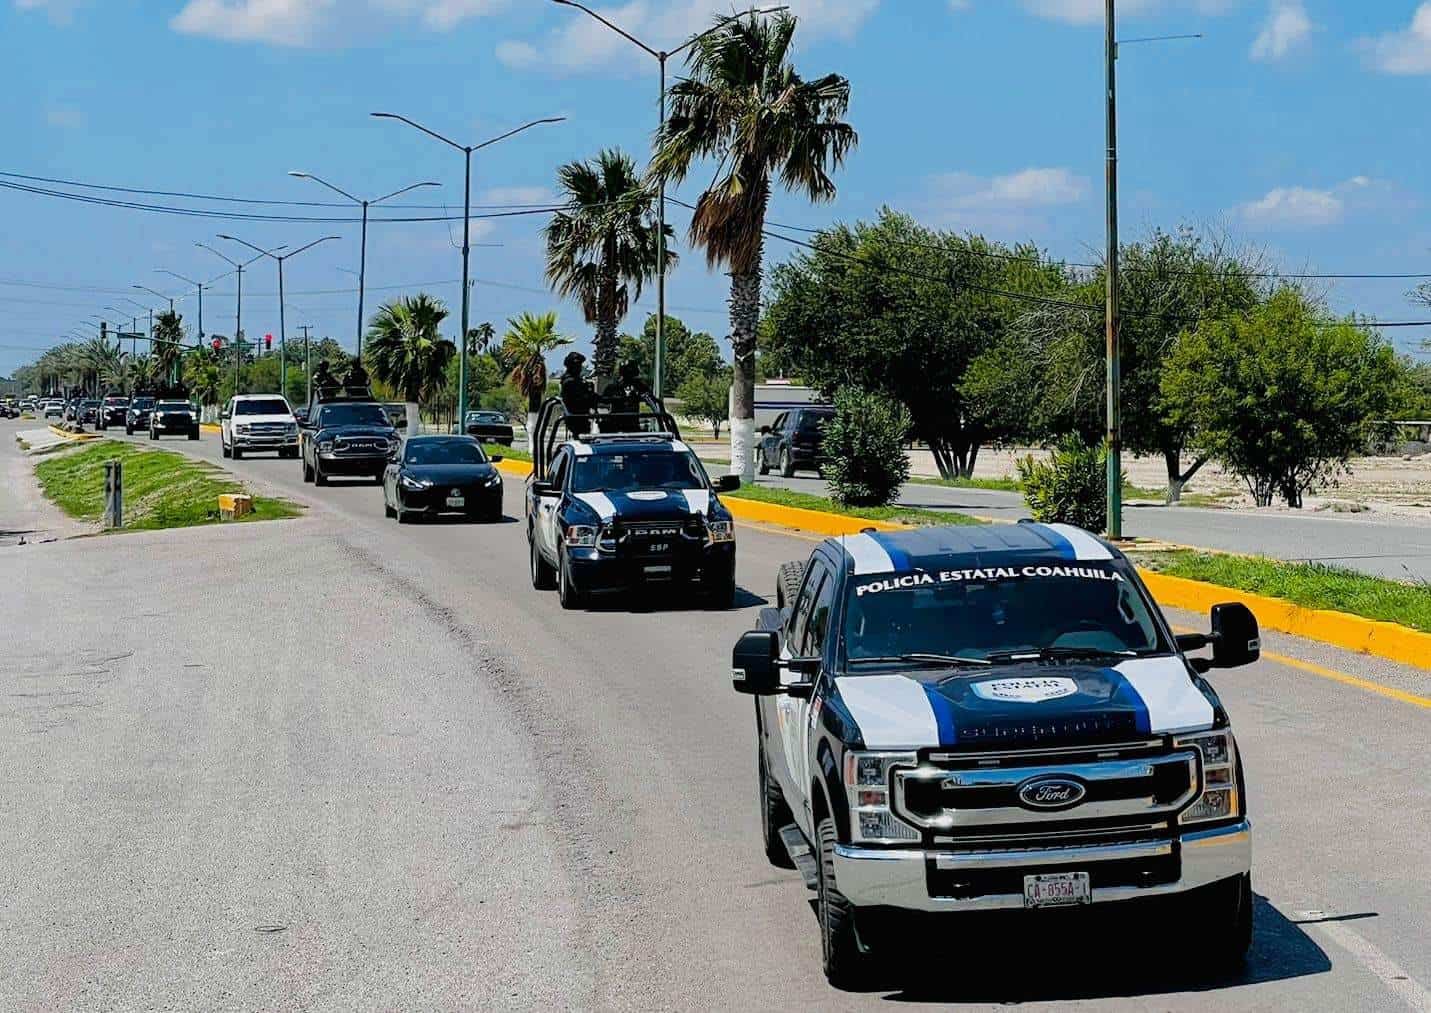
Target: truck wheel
{"points": [[307, 471], [128, 430], [318, 477], [847, 967], [194, 435], [543, 576], [153, 434], [236, 453], [787, 583], [223, 448], [787, 464], [774, 814], [721, 593], [567, 592], [1221, 916]]}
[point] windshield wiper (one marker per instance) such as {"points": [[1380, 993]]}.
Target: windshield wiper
{"points": [[954, 661], [1058, 654]]}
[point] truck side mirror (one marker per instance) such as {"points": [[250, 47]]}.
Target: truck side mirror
{"points": [[754, 664], [540, 488], [1236, 640]]}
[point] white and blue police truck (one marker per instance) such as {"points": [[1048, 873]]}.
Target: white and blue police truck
{"points": [[969, 719]]}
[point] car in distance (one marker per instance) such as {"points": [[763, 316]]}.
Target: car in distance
{"points": [[9, 410], [137, 415], [956, 720], [89, 411], [489, 427], [793, 442], [172, 417], [54, 408], [112, 411], [349, 437], [432, 475], [257, 422]]}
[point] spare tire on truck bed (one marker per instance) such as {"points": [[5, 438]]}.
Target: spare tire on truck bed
{"points": [[787, 583]]}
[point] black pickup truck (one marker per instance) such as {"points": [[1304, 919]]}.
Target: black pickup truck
{"points": [[957, 720], [346, 436]]}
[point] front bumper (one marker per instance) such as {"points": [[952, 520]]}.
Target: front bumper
{"points": [[871, 877], [593, 570], [276, 442], [476, 500], [175, 426], [353, 464]]}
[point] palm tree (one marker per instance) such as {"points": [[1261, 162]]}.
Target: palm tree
{"points": [[530, 338], [203, 376], [405, 350], [605, 246], [167, 348], [746, 108], [100, 364], [142, 373]]}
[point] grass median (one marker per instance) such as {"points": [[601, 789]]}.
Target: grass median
{"points": [[162, 489], [807, 501], [1311, 585], [506, 453]]}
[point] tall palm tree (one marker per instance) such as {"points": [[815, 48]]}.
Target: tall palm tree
{"points": [[405, 350], [530, 338], [142, 373], [166, 348], [203, 376], [605, 246], [100, 364], [746, 108]]}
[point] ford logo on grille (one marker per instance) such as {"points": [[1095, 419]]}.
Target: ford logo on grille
{"points": [[1051, 793]]}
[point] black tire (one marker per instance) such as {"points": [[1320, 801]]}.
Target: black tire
{"points": [[847, 967], [763, 467], [236, 453], [787, 464], [543, 576], [787, 583], [153, 435], [387, 509], [774, 813], [307, 471], [570, 596], [403, 516], [224, 450], [128, 430], [321, 479], [721, 592], [195, 435], [1220, 916]]}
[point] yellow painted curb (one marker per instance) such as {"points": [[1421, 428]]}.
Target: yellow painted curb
{"points": [[74, 437], [1366, 636], [519, 468], [209, 427], [817, 521], [232, 505]]}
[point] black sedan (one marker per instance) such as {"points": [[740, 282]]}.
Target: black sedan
{"points": [[489, 427], [431, 475]]}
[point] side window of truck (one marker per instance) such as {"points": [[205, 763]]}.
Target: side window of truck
{"points": [[558, 471], [819, 622], [815, 578]]}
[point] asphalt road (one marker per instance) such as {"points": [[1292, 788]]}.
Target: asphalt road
{"points": [[1387, 547], [338, 763]]}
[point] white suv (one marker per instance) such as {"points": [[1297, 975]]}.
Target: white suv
{"points": [[253, 422]]}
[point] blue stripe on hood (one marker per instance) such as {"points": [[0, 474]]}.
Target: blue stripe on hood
{"points": [[897, 556]]}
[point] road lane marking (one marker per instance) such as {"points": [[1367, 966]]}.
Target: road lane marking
{"points": [[1386, 970]]}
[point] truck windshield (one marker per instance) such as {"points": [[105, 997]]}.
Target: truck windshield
{"points": [[361, 414], [998, 613], [265, 406], [665, 469]]}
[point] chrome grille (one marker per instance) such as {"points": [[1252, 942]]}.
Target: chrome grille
{"points": [[1130, 789]]}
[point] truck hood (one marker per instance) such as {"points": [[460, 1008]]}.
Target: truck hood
{"points": [[645, 506], [355, 431], [1024, 705], [243, 420]]}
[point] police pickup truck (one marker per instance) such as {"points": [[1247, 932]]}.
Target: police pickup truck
{"points": [[979, 718], [612, 510]]}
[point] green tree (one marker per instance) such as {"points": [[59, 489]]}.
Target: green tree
{"points": [[862, 448], [1071, 487], [405, 350], [705, 397], [530, 338], [745, 108], [167, 346], [604, 246], [1281, 395], [205, 376], [687, 353]]}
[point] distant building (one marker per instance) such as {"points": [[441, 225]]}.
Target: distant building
{"points": [[776, 396]]}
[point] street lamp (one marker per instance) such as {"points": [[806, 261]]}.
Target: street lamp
{"points": [[238, 301], [133, 322], [282, 329], [363, 243], [662, 56], [466, 150], [197, 284], [161, 295]]}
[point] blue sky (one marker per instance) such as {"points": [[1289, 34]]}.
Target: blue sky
{"points": [[1296, 125]]}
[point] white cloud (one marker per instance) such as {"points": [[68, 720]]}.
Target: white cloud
{"points": [[1305, 207], [306, 23], [1092, 12], [1028, 188], [516, 195], [1287, 27], [584, 44], [1403, 52]]}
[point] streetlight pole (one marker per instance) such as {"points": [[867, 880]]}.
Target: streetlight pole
{"points": [[238, 302], [363, 243], [466, 150], [662, 56], [282, 330], [197, 284]]}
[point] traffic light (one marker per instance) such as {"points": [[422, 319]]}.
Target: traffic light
{"points": [[268, 342], [217, 344]]}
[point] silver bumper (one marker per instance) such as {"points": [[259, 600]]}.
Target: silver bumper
{"points": [[870, 877]]}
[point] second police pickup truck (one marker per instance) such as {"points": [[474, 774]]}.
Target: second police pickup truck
{"points": [[978, 718]]}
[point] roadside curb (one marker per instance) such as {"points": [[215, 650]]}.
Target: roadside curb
{"points": [[209, 427], [75, 437], [1353, 633]]}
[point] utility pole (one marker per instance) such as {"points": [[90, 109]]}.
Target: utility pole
{"points": [[307, 363], [1114, 378]]}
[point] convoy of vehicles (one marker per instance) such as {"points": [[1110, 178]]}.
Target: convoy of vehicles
{"points": [[489, 427], [794, 441], [112, 412], [345, 433], [173, 417], [252, 423], [967, 719], [431, 475], [137, 415]]}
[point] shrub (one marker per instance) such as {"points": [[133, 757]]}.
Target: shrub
{"points": [[863, 448], [1071, 487]]}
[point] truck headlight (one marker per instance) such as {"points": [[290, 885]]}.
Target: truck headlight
{"points": [[720, 531], [867, 784], [580, 536], [1219, 799], [291, 429], [242, 427], [325, 446]]}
